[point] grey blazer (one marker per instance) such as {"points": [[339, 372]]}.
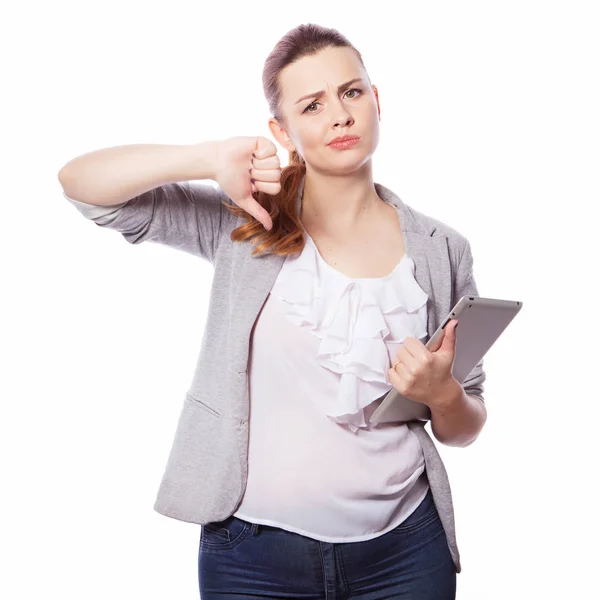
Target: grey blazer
{"points": [[206, 471]]}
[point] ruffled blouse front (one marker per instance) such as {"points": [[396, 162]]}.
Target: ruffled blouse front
{"points": [[361, 323]]}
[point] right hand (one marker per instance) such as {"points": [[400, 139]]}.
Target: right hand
{"points": [[236, 167]]}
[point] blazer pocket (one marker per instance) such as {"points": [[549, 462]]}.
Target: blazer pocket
{"points": [[207, 407]]}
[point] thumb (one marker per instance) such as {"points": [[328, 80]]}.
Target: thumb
{"points": [[251, 206], [449, 341]]}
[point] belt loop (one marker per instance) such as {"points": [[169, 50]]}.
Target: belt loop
{"points": [[255, 528]]}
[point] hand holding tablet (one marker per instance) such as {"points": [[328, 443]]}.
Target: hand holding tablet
{"points": [[482, 321]]}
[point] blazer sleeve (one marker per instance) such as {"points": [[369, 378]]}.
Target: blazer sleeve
{"points": [[465, 285], [188, 216]]}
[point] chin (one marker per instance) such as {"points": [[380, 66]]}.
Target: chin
{"points": [[346, 166]]}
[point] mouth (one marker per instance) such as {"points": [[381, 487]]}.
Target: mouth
{"points": [[345, 141]]}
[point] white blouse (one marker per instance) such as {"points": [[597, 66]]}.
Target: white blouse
{"points": [[319, 356]]}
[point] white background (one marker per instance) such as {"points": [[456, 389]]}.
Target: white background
{"points": [[490, 122]]}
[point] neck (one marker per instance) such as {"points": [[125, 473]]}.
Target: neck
{"points": [[336, 204]]}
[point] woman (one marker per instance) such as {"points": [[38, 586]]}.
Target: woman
{"points": [[326, 287]]}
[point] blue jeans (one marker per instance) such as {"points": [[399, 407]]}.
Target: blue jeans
{"points": [[247, 561]]}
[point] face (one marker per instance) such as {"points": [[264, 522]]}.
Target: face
{"points": [[320, 102]]}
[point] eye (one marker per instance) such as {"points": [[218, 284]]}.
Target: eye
{"points": [[355, 90], [306, 110]]}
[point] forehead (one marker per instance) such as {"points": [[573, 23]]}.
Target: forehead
{"points": [[325, 70]]}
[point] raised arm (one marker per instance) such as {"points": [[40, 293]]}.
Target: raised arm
{"points": [[145, 192]]}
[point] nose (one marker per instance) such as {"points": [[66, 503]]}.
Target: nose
{"points": [[344, 121], [341, 115]]}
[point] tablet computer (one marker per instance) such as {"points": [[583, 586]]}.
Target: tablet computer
{"points": [[481, 322]]}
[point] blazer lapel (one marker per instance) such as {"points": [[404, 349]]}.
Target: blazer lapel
{"points": [[256, 276], [432, 265], [430, 254]]}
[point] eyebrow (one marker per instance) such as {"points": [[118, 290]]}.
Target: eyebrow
{"points": [[321, 92]]}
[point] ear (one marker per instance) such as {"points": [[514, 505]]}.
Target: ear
{"points": [[377, 98], [280, 134]]}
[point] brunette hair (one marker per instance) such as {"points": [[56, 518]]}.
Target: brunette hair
{"points": [[285, 237]]}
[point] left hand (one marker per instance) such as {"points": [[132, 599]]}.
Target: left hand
{"points": [[425, 375]]}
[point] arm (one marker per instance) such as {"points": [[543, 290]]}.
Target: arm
{"points": [[143, 192], [458, 419], [112, 176]]}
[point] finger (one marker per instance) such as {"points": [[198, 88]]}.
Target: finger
{"points": [[272, 175], [405, 356], [252, 207], [415, 347], [438, 344], [272, 162], [449, 341], [393, 378], [267, 187], [397, 379], [435, 347], [264, 148]]}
